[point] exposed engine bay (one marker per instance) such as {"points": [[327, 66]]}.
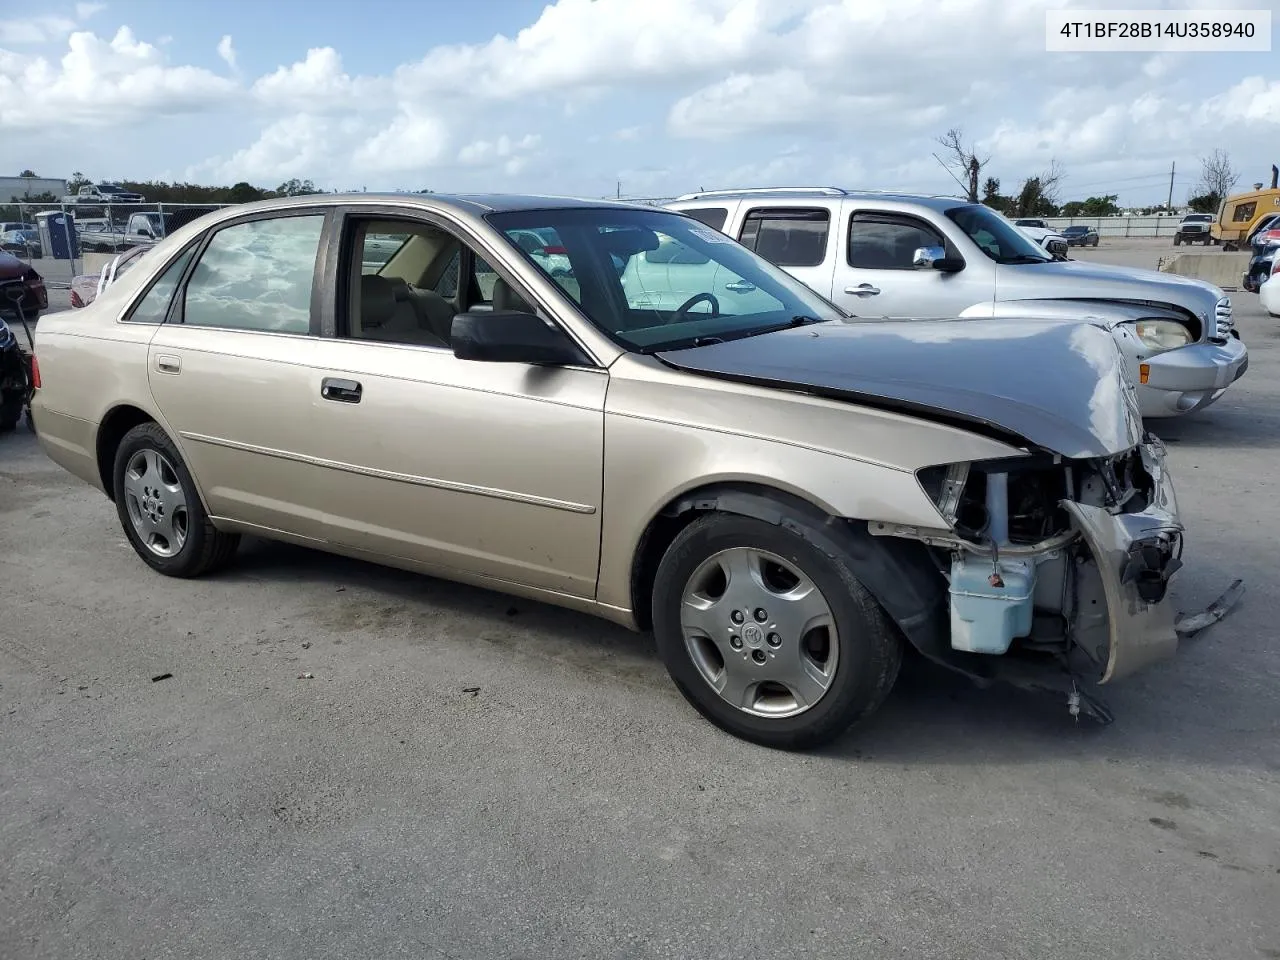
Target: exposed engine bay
{"points": [[1056, 565]]}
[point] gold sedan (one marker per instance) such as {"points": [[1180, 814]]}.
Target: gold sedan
{"points": [[615, 408]]}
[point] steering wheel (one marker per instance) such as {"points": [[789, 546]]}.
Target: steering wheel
{"points": [[682, 313]]}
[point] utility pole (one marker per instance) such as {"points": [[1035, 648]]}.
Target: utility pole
{"points": [[1172, 167], [618, 193]]}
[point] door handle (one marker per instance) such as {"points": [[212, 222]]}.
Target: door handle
{"points": [[167, 363], [342, 391], [740, 286], [862, 290]]}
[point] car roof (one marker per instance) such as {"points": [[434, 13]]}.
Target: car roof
{"points": [[939, 202], [472, 203]]}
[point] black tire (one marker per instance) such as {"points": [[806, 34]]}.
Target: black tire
{"points": [[870, 646], [206, 548], [1177, 239], [10, 412]]}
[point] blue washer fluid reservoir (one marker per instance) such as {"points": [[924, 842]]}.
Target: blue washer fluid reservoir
{"points": [[986, 618]]}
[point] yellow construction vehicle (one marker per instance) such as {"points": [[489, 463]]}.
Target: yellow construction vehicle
{"points": [[1238, 214]]}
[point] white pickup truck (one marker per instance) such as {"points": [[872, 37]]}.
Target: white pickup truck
{"points": [[103, 194]]}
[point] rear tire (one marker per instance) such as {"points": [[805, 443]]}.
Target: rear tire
{"points": [[160, 508], [837, 653], [10, 412]]}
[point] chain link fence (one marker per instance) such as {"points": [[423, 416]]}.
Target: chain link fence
{"points": [[61, 240]]}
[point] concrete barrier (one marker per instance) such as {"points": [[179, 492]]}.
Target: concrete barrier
{"points": [[1221, 269]]}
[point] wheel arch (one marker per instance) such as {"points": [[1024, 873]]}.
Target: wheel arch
{"points": [[118, 421], [900, 574]]}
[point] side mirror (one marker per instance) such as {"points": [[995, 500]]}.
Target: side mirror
{"points": [[509, 336], [935, 258]]}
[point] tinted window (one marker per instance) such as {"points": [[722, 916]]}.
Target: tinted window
{"points": [[997, 237], [256, 276], [155, 305], [713, 217], [655, 280], [789, 238], [885, 243]]}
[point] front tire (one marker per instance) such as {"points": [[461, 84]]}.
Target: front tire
{"points": [[768, 635], [160, 509]]}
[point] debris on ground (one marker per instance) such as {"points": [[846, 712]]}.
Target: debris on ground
{"points": [[1188, 627], [161, 676], [306, 644], [474, 691], [306, 676]]}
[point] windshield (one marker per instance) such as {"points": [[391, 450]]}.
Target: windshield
{"points": [[995, 236], [657, 280], [1074, 230]]}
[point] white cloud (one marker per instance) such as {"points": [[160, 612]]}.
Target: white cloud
{"points": [[413, 141], [35, 29], [227, 52], [667, 95], [100, 83], [86, 10], [485, 151], [316, 84], [300, 146], [602, 43]]}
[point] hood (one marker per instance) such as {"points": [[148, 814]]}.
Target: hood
{"points": [[1057, 386], [11, 268], [1083, 280]]}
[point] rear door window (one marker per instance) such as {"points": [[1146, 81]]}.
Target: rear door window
{"points": [[787, 236], [713, 217]]}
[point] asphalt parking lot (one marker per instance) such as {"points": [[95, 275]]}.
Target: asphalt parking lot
{"points": [[469, 776]]}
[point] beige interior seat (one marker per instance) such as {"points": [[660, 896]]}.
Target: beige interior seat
{"points": [[504, 298], [389, 318]]}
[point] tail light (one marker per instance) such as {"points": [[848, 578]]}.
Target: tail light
{"points": [[35, 372], [1275, 267], [75, 299], [552, 251]]}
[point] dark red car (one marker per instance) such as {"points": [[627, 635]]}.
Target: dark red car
{"points": [[13, 272]]}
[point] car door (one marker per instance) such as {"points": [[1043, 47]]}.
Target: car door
{"points": [[796, 238], [877, 275], [491, 470], [229, 371]]}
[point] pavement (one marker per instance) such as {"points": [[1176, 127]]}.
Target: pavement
{"points": [[465, 775]]}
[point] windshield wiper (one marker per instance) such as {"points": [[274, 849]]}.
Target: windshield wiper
{"points": [[800, 320], [1027, 258]]}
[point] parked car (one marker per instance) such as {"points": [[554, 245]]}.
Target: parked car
{"points": [[86, 287], [785, 496], [1080, 235], [14, 273], [899, 255], [1194, 228], [1043, 234], [1265, 233], [1259, 268], [1269, 291], [24, 242]]}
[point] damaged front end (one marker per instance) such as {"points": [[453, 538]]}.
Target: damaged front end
{"points": [[1058, 569]]}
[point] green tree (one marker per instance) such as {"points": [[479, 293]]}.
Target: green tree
{"points": [[77, 181], [295, 188], [1205, 203], [1093, 207], [243, 192], [28, 174]]}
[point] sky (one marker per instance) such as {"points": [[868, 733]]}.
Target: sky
{"points": [[651, 98]]}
